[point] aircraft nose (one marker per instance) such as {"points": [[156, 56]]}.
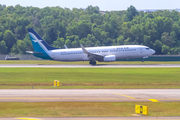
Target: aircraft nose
{"points": [[152, 51]]}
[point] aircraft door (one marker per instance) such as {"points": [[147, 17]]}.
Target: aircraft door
{"points": [[141, 50], [53, 55]]}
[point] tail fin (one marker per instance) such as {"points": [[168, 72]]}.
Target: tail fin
{"points": [[38, 43]]}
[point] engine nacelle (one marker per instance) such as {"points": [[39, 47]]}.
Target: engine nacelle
{"points": [[110, 58]]}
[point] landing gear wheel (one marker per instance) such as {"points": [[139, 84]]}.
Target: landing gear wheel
{"points": [[142, 60], [92, 62]]}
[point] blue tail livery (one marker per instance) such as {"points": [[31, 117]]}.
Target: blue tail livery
{"points": [[40, 46]]}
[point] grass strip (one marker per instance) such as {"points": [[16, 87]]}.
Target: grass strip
{"points": [[87, 78], [85, 109]]}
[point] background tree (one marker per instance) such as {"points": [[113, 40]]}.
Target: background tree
{"points": [[131, 12], [9, 38], [91, 27], [165, 49], [3, 48], [59, 43]]}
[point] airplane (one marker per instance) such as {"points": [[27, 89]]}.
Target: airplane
{"points": [[92, 54]]}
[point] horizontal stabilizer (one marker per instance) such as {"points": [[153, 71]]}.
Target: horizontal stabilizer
{"points": [[33, 52]]}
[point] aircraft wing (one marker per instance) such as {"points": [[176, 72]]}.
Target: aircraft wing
{"points": [[92, 56]]}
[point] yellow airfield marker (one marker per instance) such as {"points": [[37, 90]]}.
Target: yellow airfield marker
{"points": [[140, 109], [27, 119], [153, 100]]}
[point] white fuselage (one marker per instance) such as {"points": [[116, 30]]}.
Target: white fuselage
{"points": [[121, 52]]}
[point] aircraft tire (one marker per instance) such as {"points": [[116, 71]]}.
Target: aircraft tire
{"points": [[94, 63]]}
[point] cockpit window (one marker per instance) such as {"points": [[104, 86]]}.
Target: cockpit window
{"points": [[147, 48]]}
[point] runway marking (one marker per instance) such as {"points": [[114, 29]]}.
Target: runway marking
{"points": [[125, 96], [153, 100], [66, 98], [27, 119], [121, 95]]}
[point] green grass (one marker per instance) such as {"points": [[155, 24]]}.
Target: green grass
{"points": [[87, 78], [58, 62], [85, 109]]}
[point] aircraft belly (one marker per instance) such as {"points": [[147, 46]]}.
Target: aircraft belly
{"points": [[70, 57]]}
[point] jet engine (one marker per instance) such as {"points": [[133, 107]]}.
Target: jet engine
{"points": [[110, 58]]}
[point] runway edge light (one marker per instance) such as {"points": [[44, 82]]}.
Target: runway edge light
{"points": [[56, 83], [140, 109]]}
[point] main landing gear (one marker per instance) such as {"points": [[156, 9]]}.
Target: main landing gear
{"points": [[142, 60], [92, 62]]}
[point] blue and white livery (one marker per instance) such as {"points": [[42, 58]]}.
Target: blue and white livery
{"points": [[102, 54]]}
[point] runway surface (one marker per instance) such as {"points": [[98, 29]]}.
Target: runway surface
{"points": [[88, 95], [96, 118], [88, 66]]}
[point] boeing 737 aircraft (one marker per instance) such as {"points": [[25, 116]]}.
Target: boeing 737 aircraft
{"points": [[101, 54]]}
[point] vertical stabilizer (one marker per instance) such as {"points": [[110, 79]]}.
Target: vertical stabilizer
{"points": [[41, 47], [39, 44]]}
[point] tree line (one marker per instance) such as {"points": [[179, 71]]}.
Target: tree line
{"points": [[158, 30]]}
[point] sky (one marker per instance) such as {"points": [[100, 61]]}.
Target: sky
{"points": [[105, 5]]}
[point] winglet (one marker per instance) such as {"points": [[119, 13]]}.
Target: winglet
{"points": [[84, 50], [66, 47]]}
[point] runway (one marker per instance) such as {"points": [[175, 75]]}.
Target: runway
{"points": [[89, 66], [90, 95], [95, 118]]}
